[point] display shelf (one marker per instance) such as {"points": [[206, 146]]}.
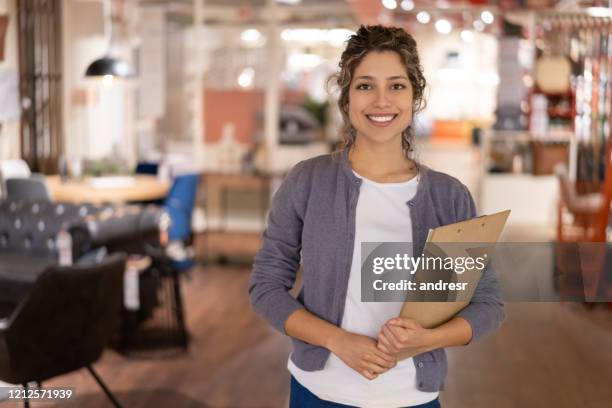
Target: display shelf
{"points": [[521, 152], [531, 197]]}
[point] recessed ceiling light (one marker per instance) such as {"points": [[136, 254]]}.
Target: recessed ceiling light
{"points": [[443, 26], [389, 4], [245, 79], [407, 5], [467, 36], [423, 17], [250, 35], [487, 17], [479, 25]]}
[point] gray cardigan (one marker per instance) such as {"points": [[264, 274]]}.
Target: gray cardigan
{"points": [[312, 219]]}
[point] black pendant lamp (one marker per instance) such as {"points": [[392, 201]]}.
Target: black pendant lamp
{"points": [[109, 64]]}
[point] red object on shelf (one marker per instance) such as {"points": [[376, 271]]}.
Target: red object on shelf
{"points": [[590, 215], [590, 212], [4, 20], [553, 112]]}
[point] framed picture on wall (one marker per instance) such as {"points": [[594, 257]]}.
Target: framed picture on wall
{"points": [[4, 20]]}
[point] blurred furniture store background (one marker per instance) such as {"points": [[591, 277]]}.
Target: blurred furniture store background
{"points": [[141, 142]]}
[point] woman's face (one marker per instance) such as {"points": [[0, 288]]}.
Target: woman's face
{"points": [[380, 98]]}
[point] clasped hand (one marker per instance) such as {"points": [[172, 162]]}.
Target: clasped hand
{"points": [[401, 335], [370, 357]]}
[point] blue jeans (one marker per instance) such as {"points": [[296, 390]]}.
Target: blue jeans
{"points": [[302, 398]]}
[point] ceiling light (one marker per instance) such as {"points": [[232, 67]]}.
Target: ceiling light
{"points": [[443, 26], [407, 5], [599, 11], [487, 17], [479, 25], [467, 36], [245, 79], [250, 35], [389, 4], [423, 17], [108, 80], [109, 65]]}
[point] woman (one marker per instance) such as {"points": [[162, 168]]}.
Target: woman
{"points": [[344, 350]]}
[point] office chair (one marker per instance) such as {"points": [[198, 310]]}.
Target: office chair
{"points": [[63, 324]]}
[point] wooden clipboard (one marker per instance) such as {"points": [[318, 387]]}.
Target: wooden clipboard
{"points": [[483, 229]]}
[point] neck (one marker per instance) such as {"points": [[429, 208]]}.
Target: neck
{"points": [[380, 160]]}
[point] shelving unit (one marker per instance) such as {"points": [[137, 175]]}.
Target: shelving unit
{"points": [[512, 183]]}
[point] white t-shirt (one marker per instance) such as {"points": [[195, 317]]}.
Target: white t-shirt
{"points": [[382, 216]]}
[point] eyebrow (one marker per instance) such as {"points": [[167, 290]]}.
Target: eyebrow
{"points": [[391, 78]]}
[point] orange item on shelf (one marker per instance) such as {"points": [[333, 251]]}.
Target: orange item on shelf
{"points": [[452, 130]]}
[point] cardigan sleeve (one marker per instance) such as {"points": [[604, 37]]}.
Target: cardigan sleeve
{"points": [[485, 312], [277, 262]]}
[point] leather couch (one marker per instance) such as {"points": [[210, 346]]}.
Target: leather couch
{"points": [[28, 232]]}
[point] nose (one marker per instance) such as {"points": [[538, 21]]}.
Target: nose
{"points": [[382, 100]]}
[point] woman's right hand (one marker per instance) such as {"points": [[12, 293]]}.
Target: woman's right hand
{"points": [[361, 354]]}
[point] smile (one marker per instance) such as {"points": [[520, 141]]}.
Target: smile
{"points": [[381, 120]]}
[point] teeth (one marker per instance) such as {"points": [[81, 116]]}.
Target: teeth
{"points": [[381, 118]]}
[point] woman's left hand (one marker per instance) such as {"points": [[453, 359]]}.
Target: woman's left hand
{"points": [[402, 334]]}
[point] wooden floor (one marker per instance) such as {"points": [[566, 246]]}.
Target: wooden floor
{"points": [[546, 355]]}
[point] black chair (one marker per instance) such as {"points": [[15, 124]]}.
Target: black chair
{"points": [[30, 189], [63, 324]]}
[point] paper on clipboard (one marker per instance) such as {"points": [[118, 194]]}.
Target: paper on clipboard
{"points": [[478, 230]]}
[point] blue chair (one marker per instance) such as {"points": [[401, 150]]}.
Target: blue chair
{"points": [[180, 203], [169, 264], [179, 259]]}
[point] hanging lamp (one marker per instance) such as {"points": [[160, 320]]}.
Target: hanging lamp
{"points": [[109, 65]]}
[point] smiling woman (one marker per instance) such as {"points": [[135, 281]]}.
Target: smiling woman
{"points": [[387, 55], [381, 97], [345, 351]]}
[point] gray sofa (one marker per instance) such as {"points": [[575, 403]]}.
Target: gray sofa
{"points": [[28, 231]]}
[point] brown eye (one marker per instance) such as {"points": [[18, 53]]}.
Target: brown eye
{"points": [[398, 86], [363, 87]]}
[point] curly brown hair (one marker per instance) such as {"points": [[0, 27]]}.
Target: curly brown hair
{"points": [[379, 38]]}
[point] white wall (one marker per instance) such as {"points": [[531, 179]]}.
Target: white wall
{"points": [[9, 136], [467, 91], [532, 199], [98, 118]]}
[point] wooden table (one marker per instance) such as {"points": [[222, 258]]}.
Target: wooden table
{"points": [[237, 182], [219, 240], [107, 189]]}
